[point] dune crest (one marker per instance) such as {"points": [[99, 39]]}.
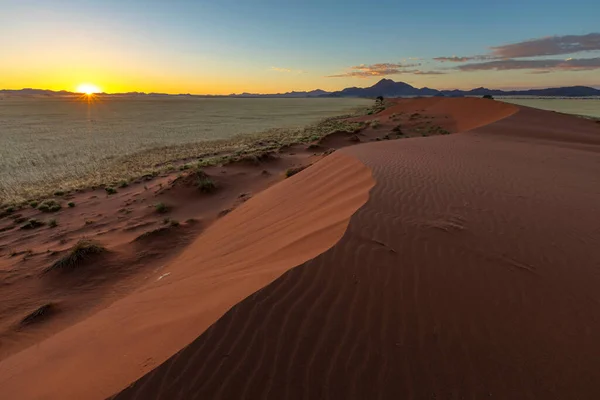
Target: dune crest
{"points": [[471, 272], [278, 229]]}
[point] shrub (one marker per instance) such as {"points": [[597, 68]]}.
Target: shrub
{"points": [[83, 250], [59, 193], [32, 224], [49, 206], [488, 96], [375, 124], [161, 208], [71, 204], [204, 183], [123, 184], [110, 190], [39, 314], [52, 223], [33, 204], [293, 171]]}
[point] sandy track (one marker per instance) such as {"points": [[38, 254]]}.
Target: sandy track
{"points": [[471, 272]]}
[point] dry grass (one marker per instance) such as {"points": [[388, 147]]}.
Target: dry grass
{"points": [[82, 251], [39, 314], [30, 172]]}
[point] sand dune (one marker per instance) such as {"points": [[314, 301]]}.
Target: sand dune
{"points": [[470, 272]]}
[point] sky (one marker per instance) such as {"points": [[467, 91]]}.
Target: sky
{"points": [[269, 46]]}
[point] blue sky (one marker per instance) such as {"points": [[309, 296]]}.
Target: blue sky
{"points": [[264, 45]]}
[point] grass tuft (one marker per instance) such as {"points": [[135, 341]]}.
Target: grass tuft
{"points": [[52, 223], [49, 206], [71, 204], [294, 170], [82, 251], [32, 224], [161, 208], [110, 190], [39, 314]]}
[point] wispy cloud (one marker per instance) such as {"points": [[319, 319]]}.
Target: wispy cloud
{"points": [[381, 69], [548, 46], [454, 59], [287, 70], [428, 72], [277, 69], [540, 66]]}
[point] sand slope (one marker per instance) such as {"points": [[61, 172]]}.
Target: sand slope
{"points": [[471, 272], [278, 229]]}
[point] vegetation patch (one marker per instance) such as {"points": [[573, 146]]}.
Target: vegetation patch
{"points": [[294, 170], [161, 208], [52, 223], [203, 182], [110, 190], [147, 164], [49, 206], [83, 251], [32, 224], [375, 124], [39, 314], [71, 204]]}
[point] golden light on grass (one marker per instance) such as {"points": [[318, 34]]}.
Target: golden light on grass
{"points": [[88, 89]]}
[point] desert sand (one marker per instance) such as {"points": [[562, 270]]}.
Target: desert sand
{"points": [[460, 265]]}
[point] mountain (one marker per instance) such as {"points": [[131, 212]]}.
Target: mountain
{"points": [[389, 88], [312, 93], [385, 88]]}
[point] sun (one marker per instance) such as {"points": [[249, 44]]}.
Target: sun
{"points": [[88, 88]]}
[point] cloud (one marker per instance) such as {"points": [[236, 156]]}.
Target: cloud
{"points": [[428, 72], [547, 46], [454, 59], [540, 66], [381, 69], [276, 69], [287, 70]]}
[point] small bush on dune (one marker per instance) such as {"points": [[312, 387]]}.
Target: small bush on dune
{"points": [[52, 223], [83, 250], [204, 183], [33, 204], [59, 193], [161, 208], [49, 206], [375, 124], [32, 224], [110, 190], [123, 184], [488, 96], [39, 314], [71, 204], [293, 171]]}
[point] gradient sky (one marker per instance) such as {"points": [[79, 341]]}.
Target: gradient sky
{"points": [[226, 46]]}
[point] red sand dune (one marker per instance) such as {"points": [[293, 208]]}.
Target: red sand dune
{"points": [[278, 229], [470, 272]]}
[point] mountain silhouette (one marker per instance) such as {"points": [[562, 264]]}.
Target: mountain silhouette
{"points": [[385, 88]]}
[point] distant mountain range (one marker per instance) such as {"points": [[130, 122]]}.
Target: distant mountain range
{"points": [[385, 88]]}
